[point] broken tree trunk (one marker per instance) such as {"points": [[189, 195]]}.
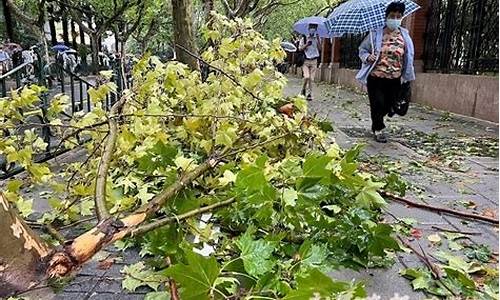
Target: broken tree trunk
{"points": [[23, 255]]}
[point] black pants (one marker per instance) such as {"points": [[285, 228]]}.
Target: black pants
{"points": [[383, 94]]}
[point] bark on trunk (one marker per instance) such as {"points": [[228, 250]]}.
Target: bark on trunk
{"points": [[94, 42], [73, 35], [9, 22], [64, 21], [208, 7], [22, 254], [183, 32], [52, 24]]}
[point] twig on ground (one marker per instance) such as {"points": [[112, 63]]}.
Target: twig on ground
{"points": [[456, 231], [440, 209]]}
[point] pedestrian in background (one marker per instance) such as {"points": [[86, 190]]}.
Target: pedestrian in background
{"points": [[310, 44], [387, 57], [4, 60]]}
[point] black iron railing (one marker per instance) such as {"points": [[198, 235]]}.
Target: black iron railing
{"points": [[59, 79], [462, 36], [349, 54]]}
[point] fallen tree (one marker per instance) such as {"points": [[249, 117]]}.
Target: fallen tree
{"points": [[279, 204]]}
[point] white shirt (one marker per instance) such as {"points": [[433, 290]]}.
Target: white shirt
{"points": [[311, 51]]}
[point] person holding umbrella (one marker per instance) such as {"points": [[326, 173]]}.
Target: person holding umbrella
{"points": [[387, 62], [312, 29], [386, 53], [310, 44]]}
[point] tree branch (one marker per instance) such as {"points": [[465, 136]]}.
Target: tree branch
{"points": [[164, 221], [80, 250], [440, 209], [102, 172]]}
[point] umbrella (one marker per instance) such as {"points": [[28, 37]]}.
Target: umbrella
{"points": [[358, 16], [12, 47], [288, 47], [60, 48], [302, 26]]}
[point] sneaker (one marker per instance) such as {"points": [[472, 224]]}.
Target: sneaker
{"points": [[380, 136], [309, 97]]}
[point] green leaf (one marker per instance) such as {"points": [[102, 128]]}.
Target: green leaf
{"points": [[290, 196], [334, 208], [315, 166], [196, 278], [250, 178], [226, 135], [421, 279], [382, 240], [256, 254], [461, 276], [86, 207], [313, 255], [227, 178], [326, 126], [137, 275], [315, 283], [25, 207], [369, 196], [14, 185]]}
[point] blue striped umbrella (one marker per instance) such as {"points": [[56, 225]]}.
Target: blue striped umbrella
{"points": [[358, 16]]}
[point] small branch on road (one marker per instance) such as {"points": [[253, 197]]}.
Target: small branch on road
{"points": [[456, 231], [440, 209]]}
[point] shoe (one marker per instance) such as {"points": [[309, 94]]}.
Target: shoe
{"points": [[309, 97], [380, 136], [391, 113]]}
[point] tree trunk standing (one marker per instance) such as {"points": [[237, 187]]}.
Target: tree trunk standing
{"points": [[208, 7], [73, 35], [52, 24], [83, 55], [94, 44], [22, 263], [9, 22], [64, 21], [183, 32]]}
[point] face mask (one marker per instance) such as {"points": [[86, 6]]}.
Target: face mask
{"points": [[312, 31], [393, 24]]}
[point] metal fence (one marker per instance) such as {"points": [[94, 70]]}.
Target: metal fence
{"points": [[349, 44], [462, 36]]}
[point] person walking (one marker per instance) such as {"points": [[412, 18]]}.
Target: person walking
{"points": [[310, 44], [4, 60], [387, 62]]}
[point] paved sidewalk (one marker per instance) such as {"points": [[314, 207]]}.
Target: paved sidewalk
{"points": [[449, 161]]}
